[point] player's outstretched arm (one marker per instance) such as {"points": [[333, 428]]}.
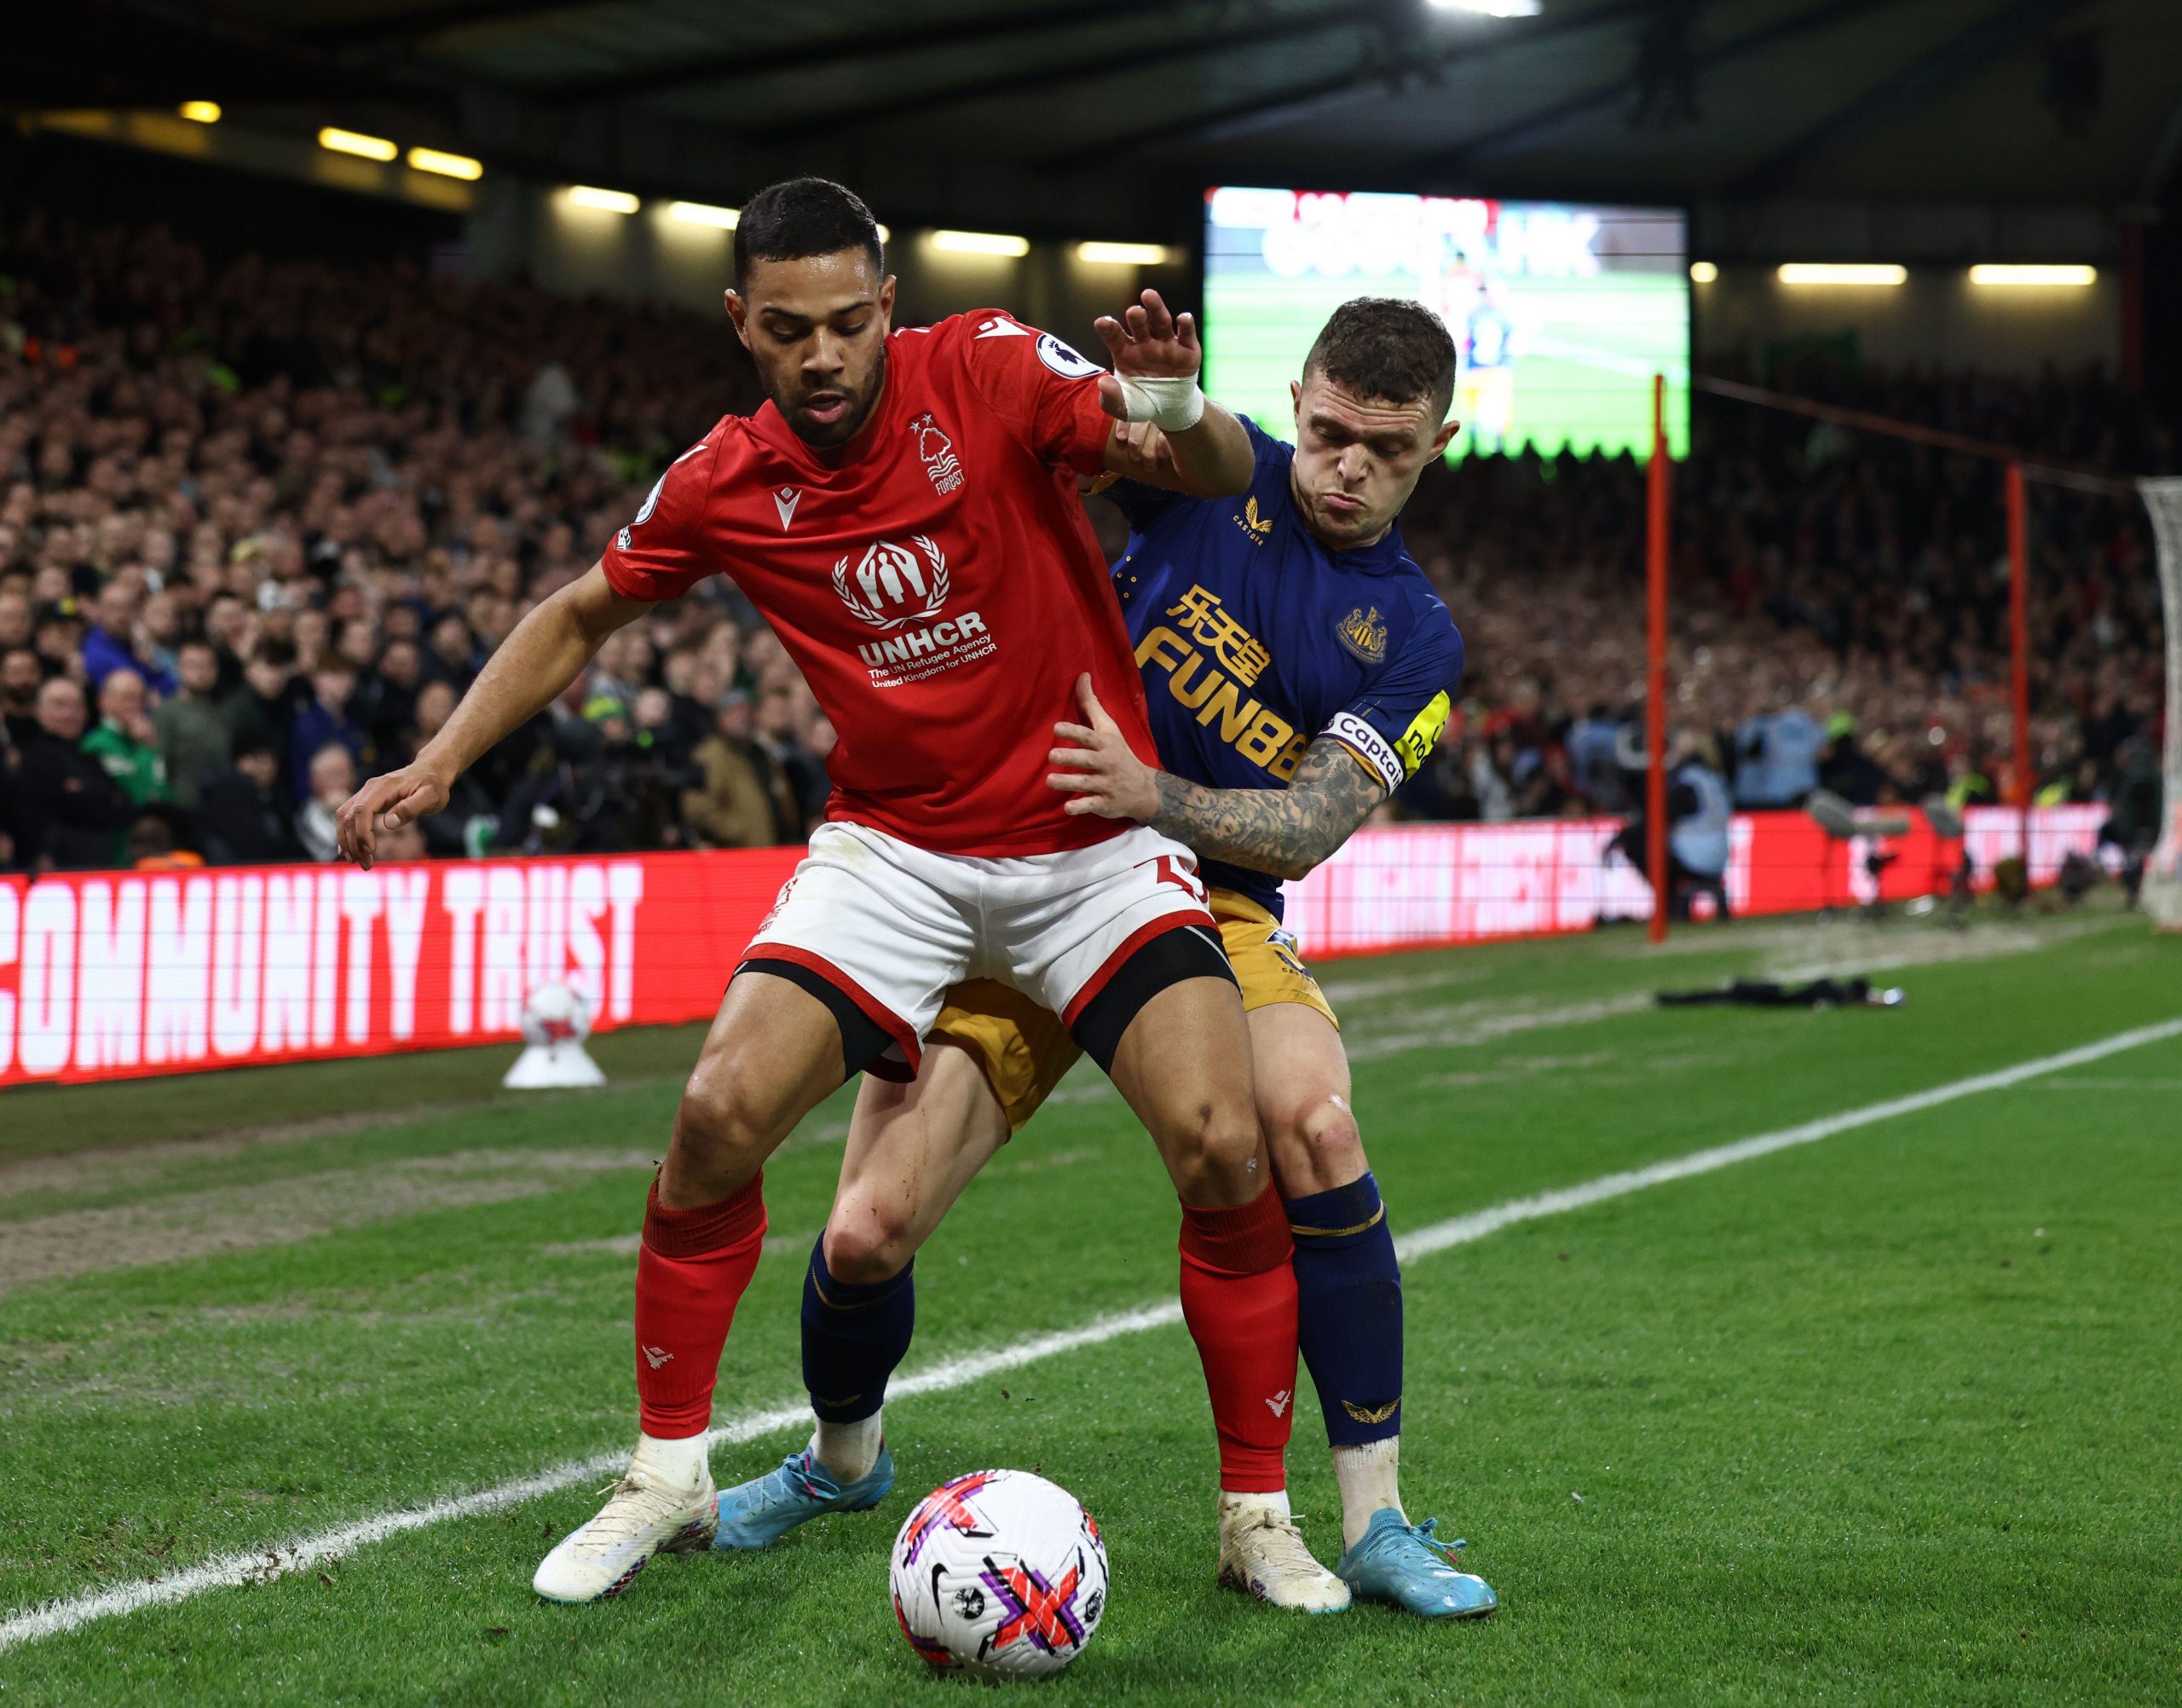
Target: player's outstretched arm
{"points": [[1204, 451], [532, 665], [1284, 832]]}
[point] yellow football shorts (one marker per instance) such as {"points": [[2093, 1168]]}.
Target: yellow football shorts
{"points": [[1024, 1049]]}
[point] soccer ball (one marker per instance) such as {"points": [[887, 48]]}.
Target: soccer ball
{"points": [[555, 1013], [1000, 1574]]}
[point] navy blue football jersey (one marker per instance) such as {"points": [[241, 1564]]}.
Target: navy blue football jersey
{"points": [[1254, 639]]}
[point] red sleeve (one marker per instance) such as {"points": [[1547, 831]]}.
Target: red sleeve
{"points": [[1046, 393], [661, 554]]}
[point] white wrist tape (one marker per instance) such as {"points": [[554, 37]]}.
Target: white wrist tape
{"points": [[1170, 402]]}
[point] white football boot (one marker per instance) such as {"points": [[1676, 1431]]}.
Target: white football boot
{"points": [[649, 1512], [1262, 1553]]}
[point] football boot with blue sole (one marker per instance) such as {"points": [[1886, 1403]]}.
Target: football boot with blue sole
{"points": [[759, 1513]]}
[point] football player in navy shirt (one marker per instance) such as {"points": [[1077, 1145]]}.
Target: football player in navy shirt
{"points": [[1298, 668]]}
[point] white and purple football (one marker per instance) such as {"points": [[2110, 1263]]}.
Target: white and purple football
{"points": [[1000, 1574]]}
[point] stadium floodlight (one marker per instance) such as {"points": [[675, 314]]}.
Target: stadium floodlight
{"points": [[605, 201], [885, 234], [336, 140], [981, 243], [1122, 254], [446, 166], [704, 213], [1703, 272], [1837, 273], [1995, 273], [1493, 8], [200, 112]]}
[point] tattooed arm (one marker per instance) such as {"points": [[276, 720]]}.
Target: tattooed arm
{"points": [[1284, 832]]}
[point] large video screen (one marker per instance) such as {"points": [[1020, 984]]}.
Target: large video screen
{"points": [[1563, 313]]}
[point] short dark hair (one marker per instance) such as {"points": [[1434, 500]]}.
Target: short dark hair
{"points": [[1386, 348], [800, 217]]}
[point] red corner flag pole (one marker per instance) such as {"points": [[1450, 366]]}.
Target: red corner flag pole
{"points": [[1658, 486], [2019, 645]]}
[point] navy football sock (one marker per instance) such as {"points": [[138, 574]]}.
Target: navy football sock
{"points": [[1348, 1304], [852, 1337]]}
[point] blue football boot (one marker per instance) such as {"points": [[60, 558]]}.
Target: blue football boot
{"points": [[759, 1513], [1407, 1564]]}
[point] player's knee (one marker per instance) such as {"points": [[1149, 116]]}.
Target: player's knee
{"points": [[868, 1239], [719, 1125], [1315, 1144], [1216, 1153]]}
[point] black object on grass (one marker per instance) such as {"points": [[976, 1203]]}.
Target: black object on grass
{"points": [[1819, 992]]}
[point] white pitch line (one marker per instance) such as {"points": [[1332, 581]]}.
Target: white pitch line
{"points": [[231, 1570], [1461, 1229]]}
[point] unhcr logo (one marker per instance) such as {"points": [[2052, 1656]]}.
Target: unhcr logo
{"points": [[891, 585]]}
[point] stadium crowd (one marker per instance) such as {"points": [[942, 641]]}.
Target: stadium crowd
{"points": [[260, 524]]}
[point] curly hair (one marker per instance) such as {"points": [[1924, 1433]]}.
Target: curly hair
{"points": [[1386, 348]]}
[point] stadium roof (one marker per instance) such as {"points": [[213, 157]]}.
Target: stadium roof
{"points": [[1108, 115]]}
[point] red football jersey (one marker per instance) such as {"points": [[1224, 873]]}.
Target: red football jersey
{"points": [[935, 580]]}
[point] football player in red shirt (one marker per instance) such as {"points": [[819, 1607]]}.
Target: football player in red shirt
{"points": [[902, 510]]}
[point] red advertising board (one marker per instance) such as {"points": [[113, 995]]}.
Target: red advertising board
{"points": [[1408, 887], [107, 975], [110, 975]]}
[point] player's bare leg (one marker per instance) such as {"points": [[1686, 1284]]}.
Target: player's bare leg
{"points": [[775, 1051], [1184, 1065], [1349, 1309], [912, 1149]]}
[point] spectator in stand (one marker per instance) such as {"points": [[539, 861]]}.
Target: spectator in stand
{"points": [[244, 816], [195, 736], [741, 801], [385, 705], [325, 721], [331, 777], [454, 652], [15, 630], [266, 705], [20, 674], [1777, 753], [126, 742], [403, 843], [71, 814], [230, 626], [1594, 762], [779, 719], [110, 642], [58, 638]]}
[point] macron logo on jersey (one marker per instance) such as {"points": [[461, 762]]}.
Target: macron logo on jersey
{"points": [[785, 501], [998, 328]]}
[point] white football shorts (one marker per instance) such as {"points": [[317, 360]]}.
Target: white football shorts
{"points": [[892, 927]]}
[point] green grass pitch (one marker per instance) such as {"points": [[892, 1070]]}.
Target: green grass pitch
{"points": [[1890, 1417]]}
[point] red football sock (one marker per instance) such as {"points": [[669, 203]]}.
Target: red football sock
{"points": [[1238, 1298], [690, 1272]]}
